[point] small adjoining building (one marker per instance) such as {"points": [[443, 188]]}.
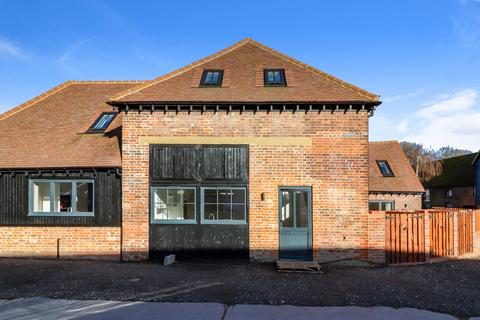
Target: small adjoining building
{"points": [[457, 185], [247, 152], [393, 184]]}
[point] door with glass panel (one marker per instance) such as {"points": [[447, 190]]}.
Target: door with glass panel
{"points": [[295, 223]]}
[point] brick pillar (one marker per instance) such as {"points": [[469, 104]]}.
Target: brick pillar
{"points": [[376, 236], [135, 189]]}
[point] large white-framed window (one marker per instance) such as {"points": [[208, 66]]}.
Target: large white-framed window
{"points": [[224, 205], [61, 197], [173, 204]]}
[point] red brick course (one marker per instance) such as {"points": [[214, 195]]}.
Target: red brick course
{"points": [[408, 202], [64, 242]]}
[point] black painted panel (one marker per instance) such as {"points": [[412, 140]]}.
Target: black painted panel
{"points": [[14, 200], [199, 241], [199, 163]]}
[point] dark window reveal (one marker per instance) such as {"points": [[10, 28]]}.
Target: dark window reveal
{"points": [[274, 77], [381, 205], [102, 122], [384, 168], [212, 78]]}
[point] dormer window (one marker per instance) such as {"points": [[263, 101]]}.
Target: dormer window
{"points": [[102, 122], [385, 168], [212, 78], [274, 77]]}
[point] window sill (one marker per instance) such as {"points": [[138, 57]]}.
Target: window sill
{"points": [[61, 214], [173, 222], [225, 222]]}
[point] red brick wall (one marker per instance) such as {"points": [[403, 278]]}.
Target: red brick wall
{"points": [[335, 165], [68, 242], [407, 202]]}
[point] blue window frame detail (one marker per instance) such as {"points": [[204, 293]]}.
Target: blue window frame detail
{"points": [[385, 168], [61, 198], [223, 205], [173, 204], [274, 77], [102, 122], [212, 78]]}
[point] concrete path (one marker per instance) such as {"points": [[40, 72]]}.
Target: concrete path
{"points": [[42, 308]]}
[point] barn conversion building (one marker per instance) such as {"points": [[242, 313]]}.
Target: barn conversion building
{"points": [[247, 152]]}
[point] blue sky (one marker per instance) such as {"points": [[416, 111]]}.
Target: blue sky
{"points": [[421, 56]]}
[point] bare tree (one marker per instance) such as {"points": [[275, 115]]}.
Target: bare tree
{"points": [[423, 161]]}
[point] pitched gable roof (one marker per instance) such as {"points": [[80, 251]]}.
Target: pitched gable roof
{"points": [[49, 130], [404, 179], [456, 172], [243, 65]]}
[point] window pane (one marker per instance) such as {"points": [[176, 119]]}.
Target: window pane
{"points": [[210, 195], [387, 206], [287, 209], [173, 204], [189, 211], [63, 197], [270, 76], [238, 196], [210, 212], [85, 196], [224, 212], [374, 205], [301, 214], [224, 196], [208, 77], [238, 212], [41, 197]]}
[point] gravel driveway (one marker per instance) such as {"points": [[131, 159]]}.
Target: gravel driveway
{"points": [[448, 287]]}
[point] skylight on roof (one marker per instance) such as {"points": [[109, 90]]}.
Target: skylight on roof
{"points": [[212, 78], [274, 77], [385, 168], [102, 122]]}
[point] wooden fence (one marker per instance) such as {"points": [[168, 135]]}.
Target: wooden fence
{"points": [[404, 237], [441, 234], [465, 234], [405, 234]]}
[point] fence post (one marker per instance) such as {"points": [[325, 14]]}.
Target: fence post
{"points": [[426, 234], [456, 216], [476, 245]]}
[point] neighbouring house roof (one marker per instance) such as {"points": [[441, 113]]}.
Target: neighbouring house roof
{"points": [[49, 130], [456, 172], [243, 64], [404, 179]]}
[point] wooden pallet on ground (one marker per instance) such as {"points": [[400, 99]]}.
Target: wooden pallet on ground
{"points": [[298, 266]]}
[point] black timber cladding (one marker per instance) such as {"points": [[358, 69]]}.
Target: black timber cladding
{"points": [[197, 166], [199, 163], [14, 199]]}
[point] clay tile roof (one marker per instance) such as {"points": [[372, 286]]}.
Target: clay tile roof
{"points": [[243, 65], [404, 179], [48, 131]]}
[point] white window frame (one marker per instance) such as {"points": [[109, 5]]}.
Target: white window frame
{"points": [[52, 213]]}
